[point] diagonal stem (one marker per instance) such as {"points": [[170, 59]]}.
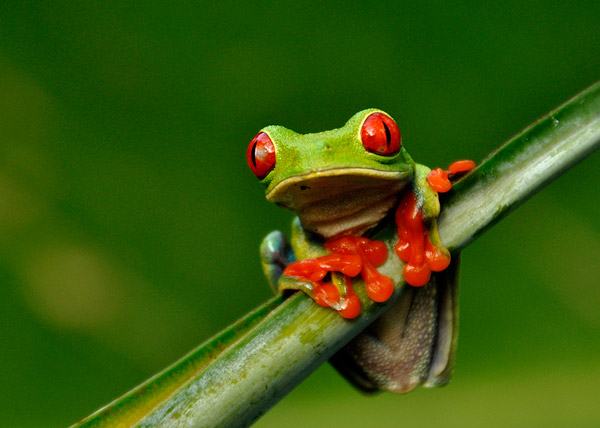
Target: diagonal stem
{"points": [[237, 376], [522, 167]]}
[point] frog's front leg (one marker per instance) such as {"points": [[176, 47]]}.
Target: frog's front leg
{"points": [[277, 254], [308, 276], [419, 244], [325, 270]]}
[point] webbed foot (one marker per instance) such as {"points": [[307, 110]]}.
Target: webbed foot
{"points": [[441, 180], [350, 256], [415, 246], [419, 245]]}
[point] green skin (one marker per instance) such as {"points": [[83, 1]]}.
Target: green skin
{"points": [[326, 178], [340, 151]]}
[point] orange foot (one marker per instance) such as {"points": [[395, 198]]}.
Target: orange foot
{"points": [[351, 256], [414, 246], [440, 180]]}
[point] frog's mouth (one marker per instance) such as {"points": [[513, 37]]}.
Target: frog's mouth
{"points": [[340, 201]]}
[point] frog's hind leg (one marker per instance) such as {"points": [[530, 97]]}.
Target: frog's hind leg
{"points": [[411, 344], [442, 363], [275, 254]]}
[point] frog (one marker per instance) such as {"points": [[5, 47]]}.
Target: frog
{"points": [[365, 229]]}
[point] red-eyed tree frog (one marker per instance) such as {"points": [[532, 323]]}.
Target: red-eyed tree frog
{"points": [[346, 186]]}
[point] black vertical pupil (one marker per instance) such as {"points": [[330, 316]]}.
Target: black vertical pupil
{"points": [[388, 136], [253, 155]]}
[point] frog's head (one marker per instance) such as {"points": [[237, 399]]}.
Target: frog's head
{"points": [[339, 182]]}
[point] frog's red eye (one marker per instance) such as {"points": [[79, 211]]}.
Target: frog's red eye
{"points": [[261, 155], [380, 135]]}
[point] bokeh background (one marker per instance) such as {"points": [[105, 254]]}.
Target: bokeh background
{"points": [[129, 222]]}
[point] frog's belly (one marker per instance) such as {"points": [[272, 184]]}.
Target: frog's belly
{"points": [[342, 205]]}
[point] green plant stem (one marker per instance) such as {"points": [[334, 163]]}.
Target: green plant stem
{"points": [[274, 349]]}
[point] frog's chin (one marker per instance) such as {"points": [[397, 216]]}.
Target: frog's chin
{"points": [[343, 201]]}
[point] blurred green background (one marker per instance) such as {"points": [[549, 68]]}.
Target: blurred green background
{"points": [[129, 223]]}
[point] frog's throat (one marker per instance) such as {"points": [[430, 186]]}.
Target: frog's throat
{"points": [[341, 201]]}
